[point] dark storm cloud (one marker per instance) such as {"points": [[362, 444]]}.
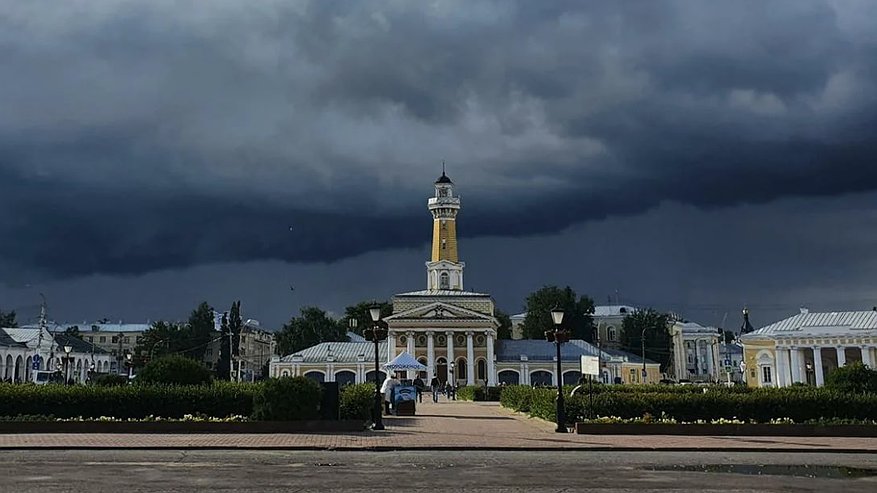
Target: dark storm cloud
{"points": [[139, 136]]}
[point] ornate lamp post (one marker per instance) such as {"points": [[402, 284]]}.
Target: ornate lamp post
{"points": [[376, 333], [67, 351], [558, 336]]}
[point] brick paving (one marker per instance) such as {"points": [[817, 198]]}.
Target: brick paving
{"points": [[446, 425]]}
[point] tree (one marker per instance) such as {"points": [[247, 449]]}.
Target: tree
{"points": [[223, 366], [174, 370], [161, 339], [360, 312], [7, 319], [505, 324], [728, 336], [854, 378], [198, 332], [657, 335], [234, 326], [577, 313], [73, 331], [312, 327]]}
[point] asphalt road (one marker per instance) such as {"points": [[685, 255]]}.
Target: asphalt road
{"points": [[132, 471]]}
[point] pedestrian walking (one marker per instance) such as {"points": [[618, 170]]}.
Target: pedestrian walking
{"points": [[419, 387], [436, 386]]}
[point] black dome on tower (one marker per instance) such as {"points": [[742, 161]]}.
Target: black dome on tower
{"points": [[444, 179]]}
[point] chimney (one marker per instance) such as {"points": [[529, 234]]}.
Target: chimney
{"points": [[804, 310]]}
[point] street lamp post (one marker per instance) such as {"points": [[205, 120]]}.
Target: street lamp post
{"points": [[376, 333], [130, 363], [558, 336], [643, 341], [67, 351]]}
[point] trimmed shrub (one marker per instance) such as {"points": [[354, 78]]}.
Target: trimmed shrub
{"points": [[479, 393], [287, 399], [174, 370], [110, 380], [759, 405], [855, 377], [127, 401], [358, 401]]}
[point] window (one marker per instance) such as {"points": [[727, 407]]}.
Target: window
{"points": [[89, 339], [765, 374], [482, 370], [103, 338], [612, 334], [444, 281], [114, 340]]}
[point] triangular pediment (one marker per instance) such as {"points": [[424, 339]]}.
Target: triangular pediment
{"points": [[439, 311]]}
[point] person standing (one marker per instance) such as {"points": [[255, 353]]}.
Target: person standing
{"points": [[419, 387], [435, 385], [387, 389]]}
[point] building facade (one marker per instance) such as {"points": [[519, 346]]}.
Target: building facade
{"points": [[452, 331], [26, 350], [807, 347], [695, 352], [255, 350]]}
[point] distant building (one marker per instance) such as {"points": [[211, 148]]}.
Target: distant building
{"points": [[256, 349], [695, 352], [26, 350], [452, 332], [807, 347]]}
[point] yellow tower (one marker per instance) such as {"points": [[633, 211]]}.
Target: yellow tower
{"points": [[444, 270]]}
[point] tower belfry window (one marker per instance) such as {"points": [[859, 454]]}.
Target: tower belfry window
{"points": [[444, 281]]}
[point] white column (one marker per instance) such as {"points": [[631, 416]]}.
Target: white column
{"points": [[491, 366], [780, 377], [430, 356], [841, 357], [817, 366], [409, 347], [554, 376], [450, 336], [795, 357], [709, 359], [866, 357], [470, 360], [391, 346]]}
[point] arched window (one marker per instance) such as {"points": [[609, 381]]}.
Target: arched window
{"points": [[481, 369], [444, 281], [460, 369], [612, 335], [509, 377]]}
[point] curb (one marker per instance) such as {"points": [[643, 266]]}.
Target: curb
{"points": [[782, 450]]}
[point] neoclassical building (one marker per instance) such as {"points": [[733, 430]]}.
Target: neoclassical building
{"points": [[445, 324], [806, 347]]}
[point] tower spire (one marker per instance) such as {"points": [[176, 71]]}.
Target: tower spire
{"points": [[444, 269]]}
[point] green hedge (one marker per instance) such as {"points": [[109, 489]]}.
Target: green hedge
{"points": [[760, 405], [127, 401], [287, 399], [479, 393], [358, 401]]}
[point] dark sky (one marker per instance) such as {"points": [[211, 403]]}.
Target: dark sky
{"points": [[692, 156]]}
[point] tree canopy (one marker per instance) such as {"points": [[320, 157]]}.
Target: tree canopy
{"points": [[189, 340], [657, 335], [577, 313], [73, 331], [312, 327], [7, 319], [360, 312], [505, 324]]}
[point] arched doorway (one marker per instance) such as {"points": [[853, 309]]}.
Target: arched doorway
{"points": [[571, 377], [28, 367], [541, 378], [370, 376], [316, 376], [345, 377], [509, 377], [441, 370], [10, 367], [19, 369]]}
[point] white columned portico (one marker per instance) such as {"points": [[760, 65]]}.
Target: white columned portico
{"points": [[450, 336], [866, 357], [817, 366], [841, 357], [391, 346], [795, 357], [491, 366], [430, 356], [709, 360], [470, 359]]}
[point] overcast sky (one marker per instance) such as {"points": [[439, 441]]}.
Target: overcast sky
{"points": [[692, 156]]}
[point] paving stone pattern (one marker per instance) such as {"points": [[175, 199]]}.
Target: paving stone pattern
{"points": [[445, 425]]}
